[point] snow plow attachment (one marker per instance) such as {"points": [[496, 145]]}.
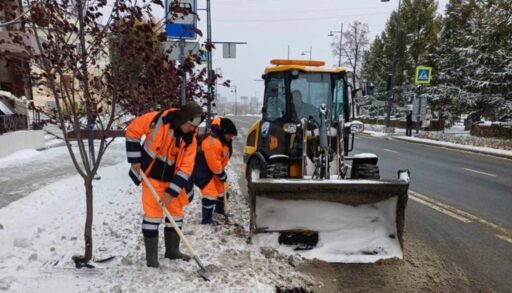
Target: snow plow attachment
{"points": [[347, 221]]}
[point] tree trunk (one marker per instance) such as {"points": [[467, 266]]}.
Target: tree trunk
{"points": [[88, 219]]}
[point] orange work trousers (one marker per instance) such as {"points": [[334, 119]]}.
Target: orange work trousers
{"points": [[152, 208], [214, 188]]}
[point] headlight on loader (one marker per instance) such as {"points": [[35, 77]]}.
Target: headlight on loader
{"points": [[290, 127]]}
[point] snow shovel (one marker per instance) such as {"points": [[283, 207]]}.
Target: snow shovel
{"points": [[226, 214], [202, 270]]}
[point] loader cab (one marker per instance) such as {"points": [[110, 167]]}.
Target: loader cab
{"points": [[295, 91], [295, 94]]}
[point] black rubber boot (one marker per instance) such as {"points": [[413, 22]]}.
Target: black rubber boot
{"points": [[172, 245], [219, 205], [151, 244]]}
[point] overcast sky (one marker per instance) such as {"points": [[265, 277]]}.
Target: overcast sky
{"points": [[270, 26]]}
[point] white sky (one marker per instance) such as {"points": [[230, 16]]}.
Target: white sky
{"points": [[270, 26]]}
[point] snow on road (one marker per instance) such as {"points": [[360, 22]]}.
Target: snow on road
{"points": [[28, 170], [42, 231]]}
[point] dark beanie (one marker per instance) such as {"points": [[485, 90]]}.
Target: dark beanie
{"points": [[227, 126], [187, 113]]}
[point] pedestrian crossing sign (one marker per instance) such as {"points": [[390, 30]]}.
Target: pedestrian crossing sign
{"points": [[423, 75]]}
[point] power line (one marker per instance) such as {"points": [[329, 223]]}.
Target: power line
{"points": [[302, 18]]}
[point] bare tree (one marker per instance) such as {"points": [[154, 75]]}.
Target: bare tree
{"points": [[355, 42], [74, 65]]}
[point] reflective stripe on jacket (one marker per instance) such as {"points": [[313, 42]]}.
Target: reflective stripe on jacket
{"points": [[212, 158], [171, 158]]}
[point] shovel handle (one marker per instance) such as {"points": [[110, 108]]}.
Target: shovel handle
{"points": [[168, 215], [225, 202]]}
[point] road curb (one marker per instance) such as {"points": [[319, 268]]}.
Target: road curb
{"points": [[454, 147]]}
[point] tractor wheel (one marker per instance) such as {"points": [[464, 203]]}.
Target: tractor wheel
{"points": [[253, 170], [368, 171]]}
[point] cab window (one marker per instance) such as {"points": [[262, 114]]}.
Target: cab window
{"points": [[339, 92], [275, 99]]}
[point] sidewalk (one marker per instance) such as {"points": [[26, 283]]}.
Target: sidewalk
{"points": [[450, 145], [400, 135]]}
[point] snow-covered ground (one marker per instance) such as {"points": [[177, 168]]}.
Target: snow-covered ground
{"points": [[455, 137], [42, 231]]}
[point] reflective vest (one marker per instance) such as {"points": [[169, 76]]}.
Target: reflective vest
{"points": [[164, 155], [212, 158]]}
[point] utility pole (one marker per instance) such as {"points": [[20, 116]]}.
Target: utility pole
{"points": [[391, 76], [236, 107], [184, 77], [210, 71], [210, 53]]}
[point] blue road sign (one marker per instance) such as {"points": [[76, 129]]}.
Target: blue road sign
{"points": [[183, 26], [423, 75]]}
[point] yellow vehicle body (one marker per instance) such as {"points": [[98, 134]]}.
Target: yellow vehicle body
{"points": [[303, 198]]}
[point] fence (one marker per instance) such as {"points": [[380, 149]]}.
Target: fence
{"points": [[12, 123], [494, 130], [435, 124]]}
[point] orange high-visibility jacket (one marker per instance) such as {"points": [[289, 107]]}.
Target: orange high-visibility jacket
{"points": [[168, 152], [213, 157]]}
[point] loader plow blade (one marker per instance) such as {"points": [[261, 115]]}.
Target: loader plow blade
{"points": [[349, 221]]}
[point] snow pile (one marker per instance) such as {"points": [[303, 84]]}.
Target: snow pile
{"points": [[471, 148], [42, 231], [496, 143], [377, 130], [346, 234]]}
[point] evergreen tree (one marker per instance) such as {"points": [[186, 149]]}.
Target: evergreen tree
{"points": [[374, 67], [420, 26], [474, 58], [490, 80]]}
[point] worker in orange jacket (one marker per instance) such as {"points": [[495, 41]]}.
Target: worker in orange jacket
{"points": [[211, 161], [167, 156]]}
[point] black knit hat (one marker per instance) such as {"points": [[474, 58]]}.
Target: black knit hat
{"points": [[227, 126], [190, 112]]}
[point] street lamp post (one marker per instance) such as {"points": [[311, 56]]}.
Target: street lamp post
{"points": [[234, 91], [331, 34], [391, 76], [310, 52]]}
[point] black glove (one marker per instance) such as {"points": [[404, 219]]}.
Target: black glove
{"points": [[223, 177], [135, 178], [188, 137]]}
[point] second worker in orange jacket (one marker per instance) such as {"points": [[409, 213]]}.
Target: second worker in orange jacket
{"points": [[211, 161]]}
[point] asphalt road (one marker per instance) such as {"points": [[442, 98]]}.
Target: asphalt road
{"points": [[460, 204], [55, 166], [470, 183]]}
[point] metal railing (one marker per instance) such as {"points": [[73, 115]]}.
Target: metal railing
{"points": [[13, 122]]}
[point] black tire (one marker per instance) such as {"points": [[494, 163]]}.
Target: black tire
{"points": [[253, 165], [368, 171]]}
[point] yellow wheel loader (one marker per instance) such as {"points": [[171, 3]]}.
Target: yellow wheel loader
{"points": [[307, 196]]}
